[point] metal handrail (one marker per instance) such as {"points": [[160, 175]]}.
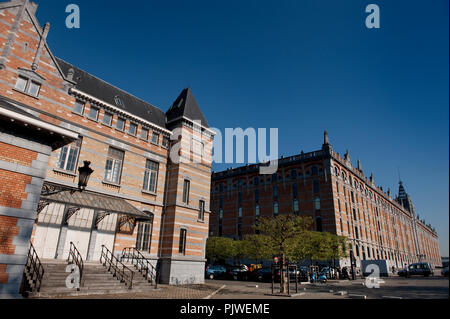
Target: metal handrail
{"points": [[75, 257], [116, 267], [35, 270], [142, 264]]}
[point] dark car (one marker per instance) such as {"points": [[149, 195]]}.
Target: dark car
{"points": [[265, 275], [417, 269], [445, 272], [239, 272], [215, 271]]}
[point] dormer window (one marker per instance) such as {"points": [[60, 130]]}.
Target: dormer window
{"points": [[119, 101], [28, 86]]}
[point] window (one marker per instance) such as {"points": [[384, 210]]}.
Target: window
{"points": [[275, 209], [107, 119], [274, 178], [93, 113], [294, 174], [120, 124], [314, 170], [28, 86], [317, 203], [316, 186], [257, 210], [275, 192], [155, 138], [186, 190], [256, 181], [296, 206], [256, 196], [144, 134], [294, 190], [79, 107], [144, 235], [133, 129], [182, 245], [68, 156], [113, 168], [165, 142], [240, 212], [201, 211], [151, 176]]}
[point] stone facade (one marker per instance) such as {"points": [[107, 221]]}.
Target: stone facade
{"points": [[108, 122]]}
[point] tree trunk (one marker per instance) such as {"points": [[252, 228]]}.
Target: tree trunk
{"points": [[282, 275]]}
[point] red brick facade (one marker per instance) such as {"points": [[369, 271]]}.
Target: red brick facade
{"points": [[339, 198]]}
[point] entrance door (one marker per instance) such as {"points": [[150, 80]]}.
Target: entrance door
{"points": [[48, 229], [79, 230], [102, 234]]}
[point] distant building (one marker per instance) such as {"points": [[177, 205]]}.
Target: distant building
{"points": [[339, 198]]}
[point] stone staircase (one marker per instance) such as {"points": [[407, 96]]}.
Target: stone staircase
{"points": [[96, 281]]}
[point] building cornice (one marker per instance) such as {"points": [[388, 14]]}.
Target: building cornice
{"points": [[111, 107]]}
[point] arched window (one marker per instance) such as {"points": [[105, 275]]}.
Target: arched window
{"points": [[319, 227], [294, 174]]}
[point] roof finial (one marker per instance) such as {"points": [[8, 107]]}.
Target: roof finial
{"points": [[359, 166], [326, 139]]}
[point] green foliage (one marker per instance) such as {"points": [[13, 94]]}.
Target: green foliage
{"points": [[257, 247], [219, 249]]}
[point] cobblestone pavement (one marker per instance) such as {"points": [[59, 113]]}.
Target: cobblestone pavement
{"points": [[391, 288]]}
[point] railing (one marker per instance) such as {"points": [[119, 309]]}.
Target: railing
{"points": [[142, 264], [34, 272], [76, 258], [116, 267]]}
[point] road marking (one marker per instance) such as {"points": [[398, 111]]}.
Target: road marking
{"points": [[391, 297], [215, 292]]}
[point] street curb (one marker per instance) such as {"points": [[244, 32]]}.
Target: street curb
{"points": [[357, 296]]}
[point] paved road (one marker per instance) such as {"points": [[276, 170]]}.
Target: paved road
{"points": [[395, 288], [410, 288]]}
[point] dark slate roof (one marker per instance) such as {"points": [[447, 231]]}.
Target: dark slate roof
{"points": [[186, 105], [108, 93]]}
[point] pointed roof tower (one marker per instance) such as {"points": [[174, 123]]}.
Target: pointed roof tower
{"points": [[186, 106], [404, 199]]}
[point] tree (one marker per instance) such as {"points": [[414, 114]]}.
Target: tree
{"points": [[240, 250], [257, 247], [219, 249], [282, 234]]}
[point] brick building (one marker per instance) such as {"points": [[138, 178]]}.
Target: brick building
{"points": [[337, 195], [138, 196]]}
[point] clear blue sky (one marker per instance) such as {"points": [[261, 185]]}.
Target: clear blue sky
{"points": [[300, 66]]}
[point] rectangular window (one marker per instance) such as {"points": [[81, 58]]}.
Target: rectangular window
{"points": [[151, 176], [275, 209], [294, 190], [93, 113], [107, 119], [68, 157], [257, 211], [275, 192], [201, 211], [21, 83], [296, 206], [133, 129], [316, 187], [113, 168], [120, 124], [186, 190], [79, 107], [256, 196], [182, 245], [144, 235], [28, 86], [155, 138], [240, 212], [165, 142], [144, 134]]}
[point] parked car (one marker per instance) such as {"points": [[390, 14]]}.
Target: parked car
{"points": [[417, 269], [239, 272], [445, 272], [265, 275], [215, 271]]}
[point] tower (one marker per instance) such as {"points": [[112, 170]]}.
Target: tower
{"points": [[187, 202]]}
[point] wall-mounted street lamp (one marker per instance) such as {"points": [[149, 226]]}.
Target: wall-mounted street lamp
{"points": [[85, 173]]}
